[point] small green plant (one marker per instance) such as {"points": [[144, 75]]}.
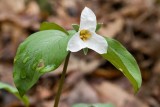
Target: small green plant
{"points": [[44, 51], [15, 92]]}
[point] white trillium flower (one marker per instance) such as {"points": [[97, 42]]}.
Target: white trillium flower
{"points": [[86, 37]]}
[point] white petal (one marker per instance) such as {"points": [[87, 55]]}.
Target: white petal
{"points": [[75, 43], [97, 43], [88, 20]]}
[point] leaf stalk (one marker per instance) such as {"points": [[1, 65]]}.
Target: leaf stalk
{"points": [[61, 82]]}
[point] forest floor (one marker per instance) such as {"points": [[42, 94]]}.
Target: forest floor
{"points": [[90, 79]]}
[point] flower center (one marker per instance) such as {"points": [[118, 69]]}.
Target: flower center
{"points": [[85, 34]]}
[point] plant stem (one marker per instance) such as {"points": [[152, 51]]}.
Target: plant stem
{"points": [[61, 82]]}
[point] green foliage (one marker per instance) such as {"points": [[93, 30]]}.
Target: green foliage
{"points": [[44, 51], [76, 26], [85, 51], [99, 25], [40, 53], [52, 26], [124, 61], [15, 92], [93, 105]]}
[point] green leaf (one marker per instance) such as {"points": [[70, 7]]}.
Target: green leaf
{"points": [[93, 105], [14, 91], [124, 61], [52, 26], [85, 51], [99, 25], [40, 53], [76, 26]]}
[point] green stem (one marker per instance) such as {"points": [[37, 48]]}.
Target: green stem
{"points": [[61, 82]]}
